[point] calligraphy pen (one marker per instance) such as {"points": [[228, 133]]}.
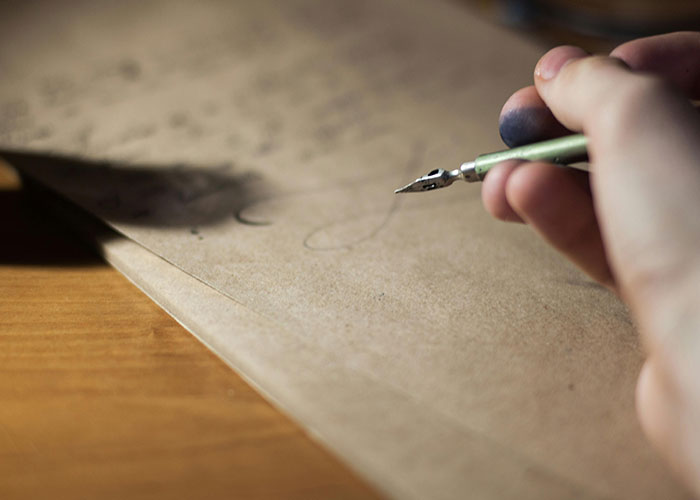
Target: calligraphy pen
{"points": [[562, 151]]}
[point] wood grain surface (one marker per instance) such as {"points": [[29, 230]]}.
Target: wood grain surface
{"points": [[103, 395]]}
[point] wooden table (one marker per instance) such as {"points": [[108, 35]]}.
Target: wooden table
{"points": [[103, 395]]}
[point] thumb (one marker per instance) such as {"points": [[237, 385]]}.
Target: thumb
{"points": [[645, 153]]}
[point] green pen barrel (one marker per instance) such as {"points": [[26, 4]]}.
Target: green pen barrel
{"points": [[562, 151]]}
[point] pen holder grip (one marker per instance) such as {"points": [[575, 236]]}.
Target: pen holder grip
{"points": [[562, 151]]}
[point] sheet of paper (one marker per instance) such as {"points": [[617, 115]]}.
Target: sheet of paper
{"points": [[256, 146]]}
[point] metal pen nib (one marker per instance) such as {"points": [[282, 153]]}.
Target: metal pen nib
{"points": [[440, 178]]}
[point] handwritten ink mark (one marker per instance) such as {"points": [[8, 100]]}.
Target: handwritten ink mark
{"points": [[413, 165], [239, 217], [416, 159]]}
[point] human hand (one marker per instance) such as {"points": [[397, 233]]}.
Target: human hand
{"points": [[634, 225]]}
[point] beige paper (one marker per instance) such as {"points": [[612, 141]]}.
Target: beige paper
{"points": [[256, 145]]}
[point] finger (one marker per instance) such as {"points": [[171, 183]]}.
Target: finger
{"points": [[493, 192], [556, 73], [525, 119], [602, 94], [673, 56], [557, 203], [643, 142]]}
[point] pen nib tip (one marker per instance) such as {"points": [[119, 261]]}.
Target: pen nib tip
{"points": [[435, 179]]}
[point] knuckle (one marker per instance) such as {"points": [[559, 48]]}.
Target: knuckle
{"points": [[637, 91], [581, 69], [626, 105]]}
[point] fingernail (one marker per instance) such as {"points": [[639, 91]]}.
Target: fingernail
{"points": [[549, 65]]}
